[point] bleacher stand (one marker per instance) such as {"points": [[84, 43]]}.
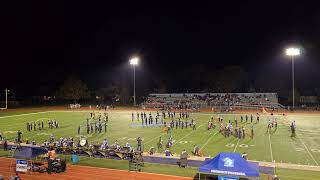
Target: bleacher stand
{"points": [[210, 100]]}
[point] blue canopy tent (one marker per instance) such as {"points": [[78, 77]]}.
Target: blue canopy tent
{"points": [[29, 152], [229, 164]]}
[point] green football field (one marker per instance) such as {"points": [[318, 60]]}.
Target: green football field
{"points": [[277, 145]]}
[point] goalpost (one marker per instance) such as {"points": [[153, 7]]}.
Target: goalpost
{"points": [[6, 100]]}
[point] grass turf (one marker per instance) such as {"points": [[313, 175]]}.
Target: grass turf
{"points": [[278, 145]]}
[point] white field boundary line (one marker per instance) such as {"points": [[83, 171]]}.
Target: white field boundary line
{"points": [[109, 112], [309, 152], [112, 112], [277, 115], [71, 111], [308, 115], [208, 140], [153, 139], [235, 148], [116, 112], [270, 149], [231, 114], [18, 115], [186, 136]]}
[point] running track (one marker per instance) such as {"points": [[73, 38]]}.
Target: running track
{"points": [[85, 173]]}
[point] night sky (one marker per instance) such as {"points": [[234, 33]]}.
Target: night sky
{"points": [[43, 42]]}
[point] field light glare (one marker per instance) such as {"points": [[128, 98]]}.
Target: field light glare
{"points": [[134, 61], [292, 51]]}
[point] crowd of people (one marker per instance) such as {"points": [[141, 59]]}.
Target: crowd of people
{"points": [[97, 123], [52, 123], [181, 101], [168, 120], [61, 142], [160, 118], [235, 128]]}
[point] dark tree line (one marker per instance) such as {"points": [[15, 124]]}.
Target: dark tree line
{"points": [[119, 88]]}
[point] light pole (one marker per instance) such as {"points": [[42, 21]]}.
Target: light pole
{"points": [[134, 61], [6, 96], [292, 52]]}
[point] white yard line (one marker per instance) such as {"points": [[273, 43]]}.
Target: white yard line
{"points": [[186, 135], [17, 115], [308, 115], [153, 139], [270, 149], [309, 152], [229, 114], [23, 114], [208, 140], [308, 131], [235, 148]]}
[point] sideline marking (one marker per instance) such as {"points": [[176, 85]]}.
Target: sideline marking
{"points": [[235, 148], [23, 114], [270, 149], [309, 152], [208, 140]]}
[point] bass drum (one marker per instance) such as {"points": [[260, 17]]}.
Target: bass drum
{"points": [[83, 142]]}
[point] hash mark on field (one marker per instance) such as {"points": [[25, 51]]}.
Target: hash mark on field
{"points": [[309, 152], [208, 140], [270, 149], [235, 148]]}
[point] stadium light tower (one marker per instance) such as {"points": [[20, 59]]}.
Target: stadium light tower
{"points": [[292, 52], [6, 96], [134, 62]]}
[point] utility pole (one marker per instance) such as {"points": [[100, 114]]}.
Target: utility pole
{"points": [[6, 98]]}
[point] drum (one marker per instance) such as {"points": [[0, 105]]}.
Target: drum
{"points": [[83, 142]]}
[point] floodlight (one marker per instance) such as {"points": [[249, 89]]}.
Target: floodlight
{"points": [[134, 61], [292, 51]]}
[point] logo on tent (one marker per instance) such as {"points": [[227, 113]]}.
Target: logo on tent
{"points": [[228, 162]]}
